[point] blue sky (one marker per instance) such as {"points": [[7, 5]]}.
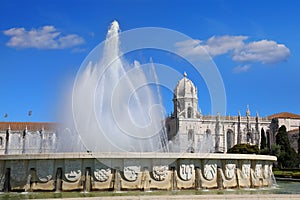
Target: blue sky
{"points": [[255, 45]]}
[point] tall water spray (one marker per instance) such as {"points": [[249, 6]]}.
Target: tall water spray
{"points": [[115, 108]]}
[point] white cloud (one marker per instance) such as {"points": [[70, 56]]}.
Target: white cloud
{"points": [[213, 46], [264, 51], [46, 37], [188, 43], [191, 48], [223, 44], [240, 69]]}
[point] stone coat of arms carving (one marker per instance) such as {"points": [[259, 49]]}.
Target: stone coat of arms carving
{"points": [[160, 172], [73, 170], [230, 170], [186, 171], [44, 170], [246, 169], [131, 172], [131, 169], [210, 171], [258, 171], [102, 174]]}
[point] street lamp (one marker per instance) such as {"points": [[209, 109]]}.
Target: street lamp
{"points": [[5, 116], [29, 114]]}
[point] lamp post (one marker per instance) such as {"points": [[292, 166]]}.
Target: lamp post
{"points": [[29, 114], [7, 134], [5, 116]]}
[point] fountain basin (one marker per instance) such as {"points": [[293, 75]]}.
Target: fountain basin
{"points": [[133, 171]]}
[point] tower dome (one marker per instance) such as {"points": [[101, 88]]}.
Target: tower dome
{"points": [[185, 88], [185, 99]]}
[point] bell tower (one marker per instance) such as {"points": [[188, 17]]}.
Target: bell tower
{"points": [[185, 99]]}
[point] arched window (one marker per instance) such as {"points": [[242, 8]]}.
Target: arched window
{"points": [[191, 135], [229, 139], [268, 140], [208, 132], [248, 137], [189, 112], [1, 141]]}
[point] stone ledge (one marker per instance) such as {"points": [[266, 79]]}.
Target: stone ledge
{"points": [[145, 155], [191, 197]]}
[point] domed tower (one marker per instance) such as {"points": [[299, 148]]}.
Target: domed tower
{"points": [[185, 99]]}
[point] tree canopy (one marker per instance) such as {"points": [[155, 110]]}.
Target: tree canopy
{"points": [[244, 149], [263, 139], [287, 157]]}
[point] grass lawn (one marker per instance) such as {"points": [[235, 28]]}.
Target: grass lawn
{"points": [[295, 173]]}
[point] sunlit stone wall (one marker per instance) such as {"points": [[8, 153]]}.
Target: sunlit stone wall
{"points": [[135, 171]]}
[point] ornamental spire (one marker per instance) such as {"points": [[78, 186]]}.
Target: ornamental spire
{"points": [[248, 111]]}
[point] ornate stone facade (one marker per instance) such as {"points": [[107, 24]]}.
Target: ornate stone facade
{"points": [[27, 137], [192, 131]]}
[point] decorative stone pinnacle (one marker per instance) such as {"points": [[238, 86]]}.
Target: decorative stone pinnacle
{"points": [[248, 110]]}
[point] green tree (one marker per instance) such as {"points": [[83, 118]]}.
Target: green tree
{"points": [[275, 150], [282, 139], [263, 140], [287, 157], [299, 142], [244, 149]]}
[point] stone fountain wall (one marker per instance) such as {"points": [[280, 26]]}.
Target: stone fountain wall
{"points": [[133, 171]]}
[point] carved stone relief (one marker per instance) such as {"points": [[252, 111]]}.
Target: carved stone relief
{"points": [[186, 171], [210, 171], [266, 171], [101, 172], [131, 172], [102, 175], [160, 172], [246, 169], [72, 170], [44, 170], [258, 170], [131, 169], [230, 170]]}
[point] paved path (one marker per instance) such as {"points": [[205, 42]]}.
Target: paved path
{"points": [[192, 197]]}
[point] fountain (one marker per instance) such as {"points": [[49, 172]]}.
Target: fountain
{"points": [[112, 99], [120, 123]]}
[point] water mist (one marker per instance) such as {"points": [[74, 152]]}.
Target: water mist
{"points": [[114, 106]]}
